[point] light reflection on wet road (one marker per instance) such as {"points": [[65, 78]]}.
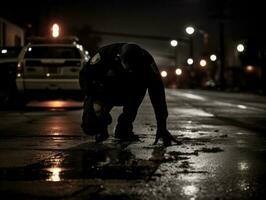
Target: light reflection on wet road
{"points": [[222, 155]]}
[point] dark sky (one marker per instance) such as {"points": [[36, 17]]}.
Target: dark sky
{"points": [[145, 17], [161, 16]]}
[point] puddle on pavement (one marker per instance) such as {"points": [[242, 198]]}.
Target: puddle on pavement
{"points": [[104, 161], [101, 161]]}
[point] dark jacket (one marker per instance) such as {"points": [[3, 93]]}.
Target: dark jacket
{"points": [[116, 79]]}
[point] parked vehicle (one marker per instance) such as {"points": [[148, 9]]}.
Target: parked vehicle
{"points": [[50, 65]]}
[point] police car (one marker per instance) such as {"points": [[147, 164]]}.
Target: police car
{"points": [[50, 64]]}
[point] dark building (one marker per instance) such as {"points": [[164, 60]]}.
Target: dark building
{"points": [[10, 34]]}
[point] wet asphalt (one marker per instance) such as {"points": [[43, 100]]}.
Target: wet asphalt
{"points": [[45, 155]]}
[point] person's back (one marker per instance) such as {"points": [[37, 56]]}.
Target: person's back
{"points": [[113, 79], [119, 75]]}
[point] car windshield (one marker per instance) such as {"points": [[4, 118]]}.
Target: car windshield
{"points": [[10, 52], [52, 52]]}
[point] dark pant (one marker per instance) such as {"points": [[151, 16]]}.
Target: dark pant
{"points": [[128, 116], [96, 115]]}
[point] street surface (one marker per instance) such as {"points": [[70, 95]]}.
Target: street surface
{"points": [[45, 155]]}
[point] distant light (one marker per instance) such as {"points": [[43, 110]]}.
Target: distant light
{"points": [[55, 103], [87, 53], [30, 49], [213, 57], [55, 30], [19, 65], [163, 74], [174, 43], [190, 61], [250, 68], [190, 30], [4, 51], [178, 71], [48, 75], [19, 75], [203, 63], [240, 48], [242, 106]]}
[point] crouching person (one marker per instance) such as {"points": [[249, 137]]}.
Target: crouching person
{"points": [[119, 75]]}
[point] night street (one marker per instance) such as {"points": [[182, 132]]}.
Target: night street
{"points": [[45, 155], [199, 132]]}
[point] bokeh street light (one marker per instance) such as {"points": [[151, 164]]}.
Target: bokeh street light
{"points": [[213, 57], [203, 63], [174, 43], [249, 68], [240, 48], [163, 74], [190, 61], [178, 71], [190, 30]]}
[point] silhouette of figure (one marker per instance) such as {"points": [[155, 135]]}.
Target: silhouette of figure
{"points": [[119, 75]]}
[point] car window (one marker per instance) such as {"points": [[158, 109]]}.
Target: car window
{"points": [[52, 52]]}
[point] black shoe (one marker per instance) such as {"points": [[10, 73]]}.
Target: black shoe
{"points": [[127, 136], [100, 137]]}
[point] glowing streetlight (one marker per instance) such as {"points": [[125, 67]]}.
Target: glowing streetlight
{"points": [[174, 43], [213, 57], [240, 48], [250, 68], [190, 30], [203, 63], [190, 61], [55, 30], [178, 71], [163, 74]]}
